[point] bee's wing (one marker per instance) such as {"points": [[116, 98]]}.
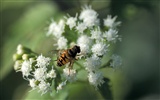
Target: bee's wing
{"points": [[53, 51], [58, 52]]}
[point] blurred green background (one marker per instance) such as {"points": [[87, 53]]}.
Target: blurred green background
{"points": [[25, 22]]}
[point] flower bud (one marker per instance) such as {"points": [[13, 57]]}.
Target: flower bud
{"points": [[21, 49], [17, 65], [17, 57], [25, 56]]}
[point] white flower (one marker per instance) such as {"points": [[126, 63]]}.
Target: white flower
{"points": [[32, 83], [81, 27], [84, 39], [116, 61], [110, 22], [62, 43], [99, 49], [51, 74], [69, 74], [44, 87], [111, 35], [42, 61], [26, 68], [95, 78], [40, 73], [56, 29], [84, 49], [96, 34], [60, 86], [84, 42], [89, 16], [92, 63], [91, 21], [71, 21]]}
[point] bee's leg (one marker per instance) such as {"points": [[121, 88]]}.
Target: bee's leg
{"points": [[70, 66], [78, 57]]}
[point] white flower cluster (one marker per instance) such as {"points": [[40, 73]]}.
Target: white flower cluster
{"points": [[93, 41], [36, 70], [42, 73], [57, 29]]}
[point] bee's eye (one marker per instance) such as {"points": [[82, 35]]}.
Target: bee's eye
{"points": [[78, 49]]}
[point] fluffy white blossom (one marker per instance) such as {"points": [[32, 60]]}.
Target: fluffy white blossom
{"points": [[56, 29], [111, 35], [26, 68], [61, 85], [99, 49], [84, 39], [32, 83], [110, 22], [96, 34], [116, 61], [51, 74], [92, 63], [69, 74], [89, 16], [81, 27], [95, 78], [44, 87], [40, 73], [42, 61], [84, 42], [85, 49], [62, 43], [71, 21]]}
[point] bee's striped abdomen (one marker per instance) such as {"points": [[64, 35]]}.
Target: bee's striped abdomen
{"points": [[62, 60]]}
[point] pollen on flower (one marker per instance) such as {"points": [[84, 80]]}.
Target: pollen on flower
{"points": [[69, 74], [99, 49], [95, 78], [26, 68], [42, 61]]}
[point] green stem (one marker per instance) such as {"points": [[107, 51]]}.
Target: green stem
{"points": [[107, 64], [105, 91], [78, 64]]}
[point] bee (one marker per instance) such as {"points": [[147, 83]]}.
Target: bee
{"points": [[68, 56]]}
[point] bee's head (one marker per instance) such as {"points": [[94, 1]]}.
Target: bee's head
{"points": [[77, 48]]}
